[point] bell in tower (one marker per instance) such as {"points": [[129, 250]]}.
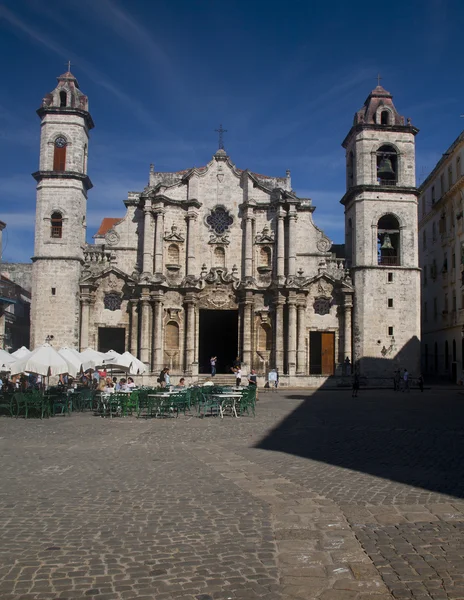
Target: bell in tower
{"points": [[385, 170]]}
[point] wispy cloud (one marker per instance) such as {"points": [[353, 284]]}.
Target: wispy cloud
{"points": [[40, 38]]}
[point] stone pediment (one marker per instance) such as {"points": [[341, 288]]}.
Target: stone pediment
{"points": [[218, 297], [174, 236], [265, 237], [110, 277], [324, 283]]}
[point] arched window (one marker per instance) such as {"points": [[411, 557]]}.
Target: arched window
{"points": [[172, 336], [173, 254], [424, 239], [84, 166], [63, 99], [385, 117], [387, 165], [388, 241], [219, 257], [350, 169], [59, 155], [349, 243], [458, 167], [56, 225], [265, 257], [450, 176], [265, 337], [434, 232]]}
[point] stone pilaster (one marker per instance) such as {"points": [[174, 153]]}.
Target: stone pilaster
{"points": [[247, 330], [190, 337], [292, 333], [192, 217], [158, 318], [292, 218], [279, 332], [85, 322], [134, 346], [301, 351], [347, 329], [159, 242], [147, 266], [145, 331], [280, 242], [249, 243]]}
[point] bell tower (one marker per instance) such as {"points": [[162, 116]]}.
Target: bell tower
{"points": [[381, 238], [61, 206]]}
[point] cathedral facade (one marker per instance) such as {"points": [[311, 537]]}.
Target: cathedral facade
{"points": [[220, 261]]}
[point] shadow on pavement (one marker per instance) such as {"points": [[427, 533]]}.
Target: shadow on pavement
{"points": [[416, 439]]}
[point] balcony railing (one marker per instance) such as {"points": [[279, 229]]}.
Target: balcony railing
{"points": [[389, 261], [390, 182]]}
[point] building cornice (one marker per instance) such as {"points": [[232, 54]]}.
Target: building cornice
{"points": [[358, 189], [85, 179], [380, 128], [64, 110]]}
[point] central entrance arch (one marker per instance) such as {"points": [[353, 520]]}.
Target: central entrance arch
{"points": [[218, 333]]}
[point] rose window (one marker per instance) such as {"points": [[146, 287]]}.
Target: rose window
{"points": [[112, 301], [219, 220], [322, 306]]}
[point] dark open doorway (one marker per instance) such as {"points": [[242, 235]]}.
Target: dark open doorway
{"points": [[111, 338], [218, 337], [322, 353]]}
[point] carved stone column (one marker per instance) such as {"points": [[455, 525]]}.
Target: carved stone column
{"points": [[279, 332], [292, 333], [249, 243], [159, 242], [145, 331], [347, 331], [292, 218], [191, 237], [190, 337], [134, 346], [280, 242], [85, 321], [147, 266], [301, 350], [158, 314], [247, 330], [196, 341]]}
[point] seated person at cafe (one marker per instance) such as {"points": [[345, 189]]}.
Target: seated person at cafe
{"points": [[130, 383]]}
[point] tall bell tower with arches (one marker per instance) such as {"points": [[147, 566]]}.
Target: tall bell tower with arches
{"points": [[61, 206], [381, 238]]}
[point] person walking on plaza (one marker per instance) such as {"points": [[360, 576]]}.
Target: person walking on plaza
{"points": [[406, 387], [420, 381], [355, 389], [253, 381], [238, 376], [213, 362]]}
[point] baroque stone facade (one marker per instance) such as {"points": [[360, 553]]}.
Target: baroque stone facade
{"points": [[217, 260]]}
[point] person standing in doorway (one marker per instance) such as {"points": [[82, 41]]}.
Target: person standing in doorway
{"points": [[213, 362], [420, 381]]}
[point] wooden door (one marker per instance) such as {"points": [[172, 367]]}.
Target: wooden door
{"points": [[328, 353]]}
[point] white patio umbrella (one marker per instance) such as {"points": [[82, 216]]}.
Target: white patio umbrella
{"points": [[44, 360], [137, 366], [73, 359], [114, 360], [21, 353], [6, 358], [92, 358], [4, 368]]}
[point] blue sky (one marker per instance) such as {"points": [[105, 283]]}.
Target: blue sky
{"points": [[284, 79]]}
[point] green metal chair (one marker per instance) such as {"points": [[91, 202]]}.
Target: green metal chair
{"points": [[6, 403], [208, 405]]}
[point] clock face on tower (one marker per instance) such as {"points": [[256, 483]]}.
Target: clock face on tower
{"points": [[60, 142]]}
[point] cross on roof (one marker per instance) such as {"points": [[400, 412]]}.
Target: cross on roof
{"points": [[378, 79], [221, 138], [69, 66]]}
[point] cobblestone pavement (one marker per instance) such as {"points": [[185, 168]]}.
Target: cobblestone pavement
{"points": [[320, 496]]}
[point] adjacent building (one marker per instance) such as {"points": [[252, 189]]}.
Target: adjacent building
{"points": [[441, 242]]}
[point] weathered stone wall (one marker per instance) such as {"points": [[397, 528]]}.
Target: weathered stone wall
{"points": [[19, 273]]}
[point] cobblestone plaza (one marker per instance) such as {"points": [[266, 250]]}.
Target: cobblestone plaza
{"points": [[319, 496]]}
